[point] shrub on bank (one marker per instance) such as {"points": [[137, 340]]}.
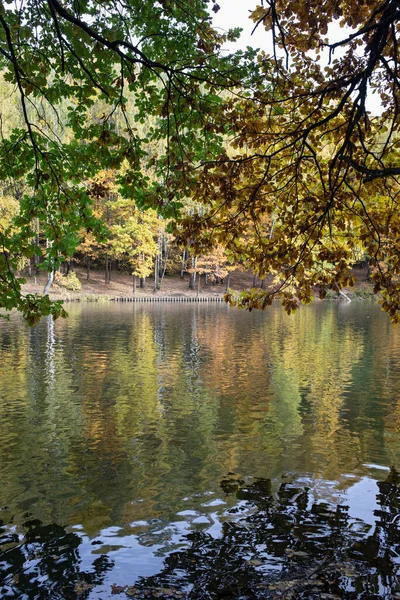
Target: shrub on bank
{"points": [[69, 282]]}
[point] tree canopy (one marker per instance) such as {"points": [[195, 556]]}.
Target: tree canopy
{"points": [[290, 172], [62, 58], [309, 174]]}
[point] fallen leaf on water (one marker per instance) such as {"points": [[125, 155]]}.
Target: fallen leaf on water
{"points": [[117, 589], [82, 586], [255, 562], [299, 553]]}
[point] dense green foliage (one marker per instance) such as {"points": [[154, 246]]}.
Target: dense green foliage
{"points": [[142, 62]]}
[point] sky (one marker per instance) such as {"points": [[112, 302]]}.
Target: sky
{"points": [[235, 13]]}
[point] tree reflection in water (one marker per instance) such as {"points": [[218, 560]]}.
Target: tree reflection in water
{"points": [[45, 564], [289, 547], [286, 545]]}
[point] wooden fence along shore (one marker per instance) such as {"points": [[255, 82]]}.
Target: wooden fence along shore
{"points": [[169, 299]]}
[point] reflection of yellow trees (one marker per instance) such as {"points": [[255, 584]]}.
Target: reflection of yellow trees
{"points": [[162, 412], [388, 366], [283, 384], [238, 375], [195, 393], [317, 356], [15, 409], [136, 402], [123, 411], [237, 359], [40, 416]]}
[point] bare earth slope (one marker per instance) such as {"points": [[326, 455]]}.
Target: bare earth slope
{"points": [[121, 286]]}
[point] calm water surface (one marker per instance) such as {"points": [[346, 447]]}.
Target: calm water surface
{"points": [[118, 424]]}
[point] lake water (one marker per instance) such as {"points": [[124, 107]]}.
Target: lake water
{"points": [[118, 424]]}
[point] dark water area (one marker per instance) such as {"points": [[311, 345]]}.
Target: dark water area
{"points": [[201, 452]]}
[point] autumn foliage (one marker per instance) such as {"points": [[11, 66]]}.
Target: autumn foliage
{"points": [[275, 162]]}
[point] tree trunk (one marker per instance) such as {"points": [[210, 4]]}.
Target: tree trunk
{"points": [[36, 258], [341, 293], [156, 272], [163, 273], [162, 258], [254, 281], [166, 257], [192, 281], [106, 271], [271, 232], [183, 263], [88, 268], [50, 279], [142, 281], [228, 281], [134, 285], [263, 284], [193, 275], [198, 285]]}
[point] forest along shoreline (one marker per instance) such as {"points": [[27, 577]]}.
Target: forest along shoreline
{"points": [[122, 286]]}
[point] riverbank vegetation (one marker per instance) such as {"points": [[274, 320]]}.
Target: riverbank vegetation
{"points": [[136, 139]]}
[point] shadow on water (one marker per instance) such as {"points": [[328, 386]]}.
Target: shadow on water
{"points": [[283, 545], [43, 562]]}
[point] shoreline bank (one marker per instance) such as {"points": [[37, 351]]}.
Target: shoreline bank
{"points": [[173, 288]]}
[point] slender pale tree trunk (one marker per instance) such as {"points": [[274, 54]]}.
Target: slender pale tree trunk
{"points": [[183, 263], [36, 256], [166, 255], [198, 285], [193, 275], [162, 257], [106, 271], [50, 279], [142, 279], [156, 272], [271, 232], [134, 285], [163, 264], [228, 280], [50, 274]]}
